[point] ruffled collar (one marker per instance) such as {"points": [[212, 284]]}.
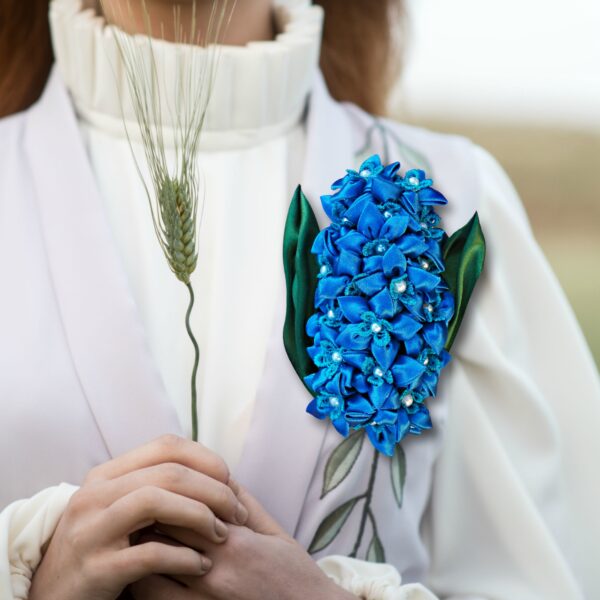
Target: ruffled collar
{"points": [[260, 90]]}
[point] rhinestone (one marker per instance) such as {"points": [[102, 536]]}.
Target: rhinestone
{"points": [[375, 423], [324, 269], [380, 248], [345, 220], [336, 357], [334, 402], [408, 400], [331, 314], [376, 328], [365, 172], [378, 372], [414, 181], [425, 265], [387, 214], [428, 308], [425, 361], [401, 286]]}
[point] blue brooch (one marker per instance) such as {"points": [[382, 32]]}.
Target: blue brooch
{"points": [[374, 303], [382, 308]]}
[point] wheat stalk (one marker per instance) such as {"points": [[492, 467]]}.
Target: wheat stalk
{"points": [[174, 194]]}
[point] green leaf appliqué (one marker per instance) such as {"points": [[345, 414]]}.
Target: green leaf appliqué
{"points": [[301, 270], [341, 461], [398, 471], [376, 553], [464, 255], [331, 526]]}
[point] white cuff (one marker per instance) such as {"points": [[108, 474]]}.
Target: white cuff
{"points": [[371, 581], [26, 526]]}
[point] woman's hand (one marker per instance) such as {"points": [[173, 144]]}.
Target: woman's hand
{"points": [[170, 481], [256, 562]]}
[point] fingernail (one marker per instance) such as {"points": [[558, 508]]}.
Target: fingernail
{"points": [[220, 529], [241, 514], [206, 564]]}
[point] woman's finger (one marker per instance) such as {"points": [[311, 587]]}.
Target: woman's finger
{"points": [[166, 449], [157, 587], [182, 480], [137, 562], [187, 537], [148, 505]]}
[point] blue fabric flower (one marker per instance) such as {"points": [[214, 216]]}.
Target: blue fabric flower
{"points": [[381, 308]]}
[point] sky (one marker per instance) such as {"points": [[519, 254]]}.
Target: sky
{"points": [[536, 61]]}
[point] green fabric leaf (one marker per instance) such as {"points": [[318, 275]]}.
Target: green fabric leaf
{"points": [[301, 270], [341, 461], [398, 470], [376, 553], [464, 255], [331, 526]]}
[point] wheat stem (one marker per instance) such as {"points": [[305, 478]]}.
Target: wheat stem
{"points": [[196, 361]]}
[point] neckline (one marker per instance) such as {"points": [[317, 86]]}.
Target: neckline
{"points": [[260, 89]]}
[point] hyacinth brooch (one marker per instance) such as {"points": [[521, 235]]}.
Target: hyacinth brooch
{"points": [[374, 302]]}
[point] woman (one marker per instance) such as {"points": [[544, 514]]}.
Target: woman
{"points": [[499, 500]]}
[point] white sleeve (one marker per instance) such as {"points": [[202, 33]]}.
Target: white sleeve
{"points": [[514, 505], [26, 526]]}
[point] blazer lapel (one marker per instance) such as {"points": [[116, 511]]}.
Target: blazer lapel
{"points": [[284, 442], [100, 319]]}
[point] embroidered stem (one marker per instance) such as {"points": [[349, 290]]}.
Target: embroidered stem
{"points": [[367, 506], [196, 361]]}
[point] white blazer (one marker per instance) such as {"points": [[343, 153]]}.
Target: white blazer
{"points": [[501, 497]]}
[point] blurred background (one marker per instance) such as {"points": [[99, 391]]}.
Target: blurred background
{"points": [[522, 79]]}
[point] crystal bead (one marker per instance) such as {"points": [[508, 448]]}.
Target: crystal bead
{"points": [[428, 308], [414, 180], [376, 328], [408, 400], [425, 265], [378, 372], [387, 214], [365, 173], [401, 287], [336, 357], [324, 269], [334, 402], [331, 314], [425, 361], [380, 248]]}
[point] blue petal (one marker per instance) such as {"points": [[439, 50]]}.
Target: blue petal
{"points": [[358, 410], [445, 309], [405, 327], [341, 426], [412, 243], [385, 355], [353, 307], [371, 221], [394, 262], [371, 284], [414, 345], [383, 438], [348, 263], [373, 263], [383, 189], [351, 339], [329, 288], [406, 370], [394, 227], [422, 279], [313, 409], [383, 304], [353, 213], [435, 335], [429, 196], [312, 325], [353, 242], [403, 425], [421, 419], [409, 201]]}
